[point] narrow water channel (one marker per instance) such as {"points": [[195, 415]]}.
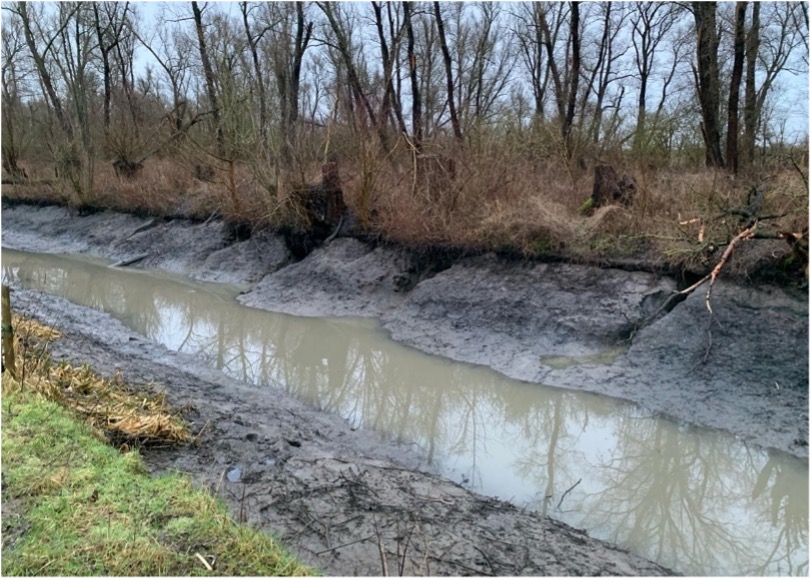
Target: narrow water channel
{"points": [[698, 501]]}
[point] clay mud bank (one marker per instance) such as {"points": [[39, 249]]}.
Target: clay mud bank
{"points": [[744, 370], [340, 498]]}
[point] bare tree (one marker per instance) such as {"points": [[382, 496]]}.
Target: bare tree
{"points": [[39, 57], [485, 62], [575, 73], [208, 73], [13, 143], [531, 41], [341, 42], [770, 44], [565, 85], [291, 39], [605, 71], [707, 77], [651, 23], [411, 56], [449, 73], [253, 41], [109, 25], [390, 48], [735, 85]]}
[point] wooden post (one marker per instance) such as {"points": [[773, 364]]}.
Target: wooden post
{"points": [[9, 360]]}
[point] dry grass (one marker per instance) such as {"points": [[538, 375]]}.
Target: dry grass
{"points": [[501, 195], [111, 405]]}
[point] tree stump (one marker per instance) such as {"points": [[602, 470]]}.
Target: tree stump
{"points": [[334, 196], [127, 169], [608, 187], [204, 172]]}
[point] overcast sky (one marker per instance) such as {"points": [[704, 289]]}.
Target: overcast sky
{"points": [[790, 96]]}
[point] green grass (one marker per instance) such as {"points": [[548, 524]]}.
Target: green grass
{"points": [[90, 510]]}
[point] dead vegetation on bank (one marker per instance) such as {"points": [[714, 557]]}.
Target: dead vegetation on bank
{"points": [[125, 416], [679, 217]]}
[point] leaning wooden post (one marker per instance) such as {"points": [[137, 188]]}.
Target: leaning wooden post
{"points": [[9, 360]]}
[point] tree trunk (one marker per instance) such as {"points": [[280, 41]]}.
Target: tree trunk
{"points": [[209, 74], [252, 46], [750, 106], [449, 75], [708, 80], [735, 85], [106, 69], [42, 70], [566, 125], [303, 34], [387, 64], [417, 113]]}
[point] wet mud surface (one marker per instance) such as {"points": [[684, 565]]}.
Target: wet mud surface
{"points": [[338, 496]]}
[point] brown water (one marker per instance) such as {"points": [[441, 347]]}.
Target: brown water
{"points": [[698, 501]]}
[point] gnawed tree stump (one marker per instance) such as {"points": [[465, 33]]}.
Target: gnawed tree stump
{"points": [[127, 169], [321, 213], [203, 172], [333, 195], [608, 187]]}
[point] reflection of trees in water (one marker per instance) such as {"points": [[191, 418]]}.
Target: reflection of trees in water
{"points": [[125, 297], [681, 500], [786, 507], [674, 496]]}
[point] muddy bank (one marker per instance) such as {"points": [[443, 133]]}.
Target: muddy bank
{"points": [[337, 497], [744, 371], [200, 250]]}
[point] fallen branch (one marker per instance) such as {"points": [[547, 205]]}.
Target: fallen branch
{"points": [[147, 226], [742, 236], [129, 261], [746, 234]]}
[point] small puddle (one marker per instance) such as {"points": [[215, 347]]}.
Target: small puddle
{"points": [[698, 501], [561, 362]]}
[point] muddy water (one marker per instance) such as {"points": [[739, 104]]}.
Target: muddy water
{"points": [[698, 501]]}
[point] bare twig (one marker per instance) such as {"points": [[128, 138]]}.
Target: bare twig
{"points": [[242, 517], [402, 566], [563, 495], [488, 560], [205, 562], [381, 552], [800, 172], [344, 545], [745, 234]]}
